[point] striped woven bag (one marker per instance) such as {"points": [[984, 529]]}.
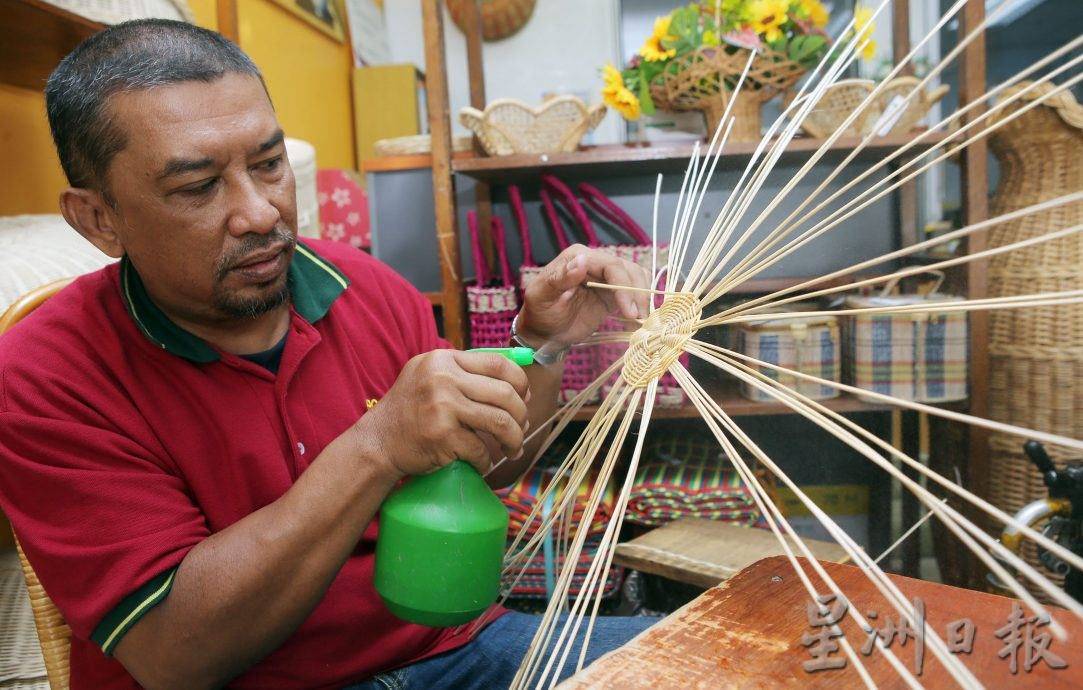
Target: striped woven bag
{"points": [[492, 303]]}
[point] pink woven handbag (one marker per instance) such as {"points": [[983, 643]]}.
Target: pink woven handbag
{"points": [[581, 363], [528, 270], [491, 307], [639, 251]]}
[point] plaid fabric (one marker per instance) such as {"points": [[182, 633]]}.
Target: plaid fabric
{"points": [[521, 498], [538, 579], [686, 478], [811, 349], [539, 576], [908, 356]]}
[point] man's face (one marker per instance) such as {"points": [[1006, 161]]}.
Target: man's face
{"points": [[205, 201]]}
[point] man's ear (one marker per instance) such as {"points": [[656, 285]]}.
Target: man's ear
{"points": [[88, 212]]}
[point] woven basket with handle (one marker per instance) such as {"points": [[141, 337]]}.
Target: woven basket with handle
{"points": [[889, 112], [581, 363], [704, 79], [1036, 354], [491, 303]]}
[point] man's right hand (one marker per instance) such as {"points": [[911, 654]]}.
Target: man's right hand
{"points": [[447, 405]]}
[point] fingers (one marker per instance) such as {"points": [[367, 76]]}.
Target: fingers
{"points": [[497, 423], [446, 405], [578, 265], [491, 402], [468, 446], [496, 394], [493, 366]]}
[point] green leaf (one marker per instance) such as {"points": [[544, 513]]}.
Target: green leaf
{"points": [[646, 103]]}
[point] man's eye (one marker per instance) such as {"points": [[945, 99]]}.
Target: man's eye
{"points": [[200, 189], [271, 164]]}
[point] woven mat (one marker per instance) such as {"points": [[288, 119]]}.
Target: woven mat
{"points": [[21, 665], [38, 249]]}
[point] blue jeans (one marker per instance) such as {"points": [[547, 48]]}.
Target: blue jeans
{"points": [[489, 662]]}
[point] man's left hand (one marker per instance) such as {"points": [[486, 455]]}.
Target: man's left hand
{"points": [[559, 308]]}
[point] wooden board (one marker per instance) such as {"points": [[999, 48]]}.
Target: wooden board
{"points": [[705, 552], [34, 37], [747, 633]]}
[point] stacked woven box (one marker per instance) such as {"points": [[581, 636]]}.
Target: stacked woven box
{"points": [[806, 345], [538, 578], [921, 357], [683, 477]]}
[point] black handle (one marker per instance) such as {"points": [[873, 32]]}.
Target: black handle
{"points": [[1036, 452]]}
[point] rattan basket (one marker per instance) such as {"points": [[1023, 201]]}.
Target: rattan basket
{"points": [[703, 79], [1036, 354], [886, 113], [508, 126]]}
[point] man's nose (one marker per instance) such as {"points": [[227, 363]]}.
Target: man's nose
{"points": [[251, 208]]}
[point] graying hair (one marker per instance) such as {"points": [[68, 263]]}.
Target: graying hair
{"points": [[131, 56]]}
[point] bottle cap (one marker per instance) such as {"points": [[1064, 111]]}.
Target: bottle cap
{"points": [[523, 356]]}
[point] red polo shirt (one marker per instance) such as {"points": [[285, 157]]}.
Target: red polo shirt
{"points": [[125, 441]]}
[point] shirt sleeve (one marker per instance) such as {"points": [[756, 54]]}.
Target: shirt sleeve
{"points": [[135, 520]]}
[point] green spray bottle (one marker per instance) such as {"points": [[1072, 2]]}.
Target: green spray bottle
{"points": [[440, 549]]}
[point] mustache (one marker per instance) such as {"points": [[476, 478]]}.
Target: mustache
{"points": [[253, 243]]}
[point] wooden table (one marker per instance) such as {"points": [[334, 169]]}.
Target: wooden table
{"points": [[746, 633]]}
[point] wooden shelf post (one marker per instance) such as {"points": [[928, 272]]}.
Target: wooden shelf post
{"points": [[975, 198], [443, 184]]}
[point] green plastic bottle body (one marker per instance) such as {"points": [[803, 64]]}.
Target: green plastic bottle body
{"points": [[440, 548]]}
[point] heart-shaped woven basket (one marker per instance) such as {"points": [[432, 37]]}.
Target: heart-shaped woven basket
{"points": [[509, 126], [848, 95]]}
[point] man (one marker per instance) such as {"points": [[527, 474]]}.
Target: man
{"points": [[189, 445]]}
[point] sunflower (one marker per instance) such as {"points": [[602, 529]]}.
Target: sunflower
{"points": [[653, 50], [864, 26], [814, 11], [768, 16], [617, 96]]}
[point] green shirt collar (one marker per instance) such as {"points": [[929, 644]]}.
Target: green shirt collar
{"points": [[315, 283]]}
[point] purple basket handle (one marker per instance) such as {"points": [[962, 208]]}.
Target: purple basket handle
{"points": [[500, 244], [520, 219], [481, 267], [615, 214], [554, 220], [564, 196]]}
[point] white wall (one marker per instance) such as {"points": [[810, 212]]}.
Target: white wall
{"points": [[558, 51]]}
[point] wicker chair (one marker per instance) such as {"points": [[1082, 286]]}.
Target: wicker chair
{"points": [[53, 631]]}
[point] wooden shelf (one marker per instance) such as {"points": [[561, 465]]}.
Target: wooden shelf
{"points": [[417, 161], [727, 395], [639, 159], [34, 37]]}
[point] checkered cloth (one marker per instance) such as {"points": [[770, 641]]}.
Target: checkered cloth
{"points": [[539, 576], [908, 356], [811, 349], [521, 499], [685, 477]]}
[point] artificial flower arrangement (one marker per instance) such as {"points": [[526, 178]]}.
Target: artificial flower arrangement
{"points": [[787, 30]]}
